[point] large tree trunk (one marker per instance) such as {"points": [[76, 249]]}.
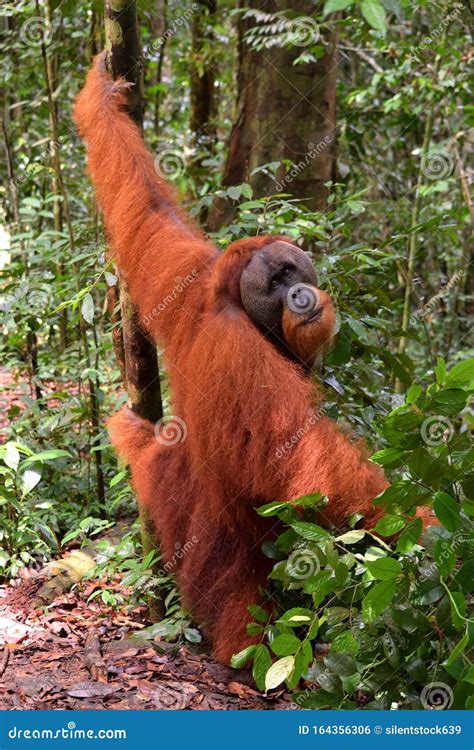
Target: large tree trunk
{"points": [[284, 112]]}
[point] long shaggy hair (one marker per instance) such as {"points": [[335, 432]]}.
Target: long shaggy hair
{"points": [[249, 424]]}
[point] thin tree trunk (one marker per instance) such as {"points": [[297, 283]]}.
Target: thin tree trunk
{"points": [[284, 112], [202, 81], [415, 214], [94, 406], [141, 361]]}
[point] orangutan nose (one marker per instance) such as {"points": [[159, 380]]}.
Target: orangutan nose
{"points": [[303, 298]]}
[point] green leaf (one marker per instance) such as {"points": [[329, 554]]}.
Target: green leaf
{"points": [[458, 649], [447, 510], [461, 374], [258, 612], [389, 525], [87, 308], [374, 14], [387, 456], [419, 463], [351, 537], [444, 556], [410, 536], [12, 456], [278, 672], [285, 645], [345, 643], [413, 393], [262, 662], [238, 661], [30, 479], [234, 192], [46, 456], [384, 568], [377, 600], [332, 6], [449, 401], [310, 531], [440, 372], [271, 509], [296, 617]]}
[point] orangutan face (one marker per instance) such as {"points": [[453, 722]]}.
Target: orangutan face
{"points": [[279, 292]]}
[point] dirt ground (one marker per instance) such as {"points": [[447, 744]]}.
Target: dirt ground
{"points": [[76, 654]]}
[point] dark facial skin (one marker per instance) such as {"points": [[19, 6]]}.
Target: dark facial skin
{"points": [[267, 280]]}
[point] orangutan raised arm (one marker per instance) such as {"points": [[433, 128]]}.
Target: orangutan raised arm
{"points": [[162, 254], [241, 338]]}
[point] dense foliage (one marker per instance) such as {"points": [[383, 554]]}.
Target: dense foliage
{"points": [[385, 620]]}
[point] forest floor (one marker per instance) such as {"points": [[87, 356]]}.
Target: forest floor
{"points": [[75, 654], [78, 653]]}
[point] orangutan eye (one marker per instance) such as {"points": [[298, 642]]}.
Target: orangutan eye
{"points": [[275, 282], [286, 270]]}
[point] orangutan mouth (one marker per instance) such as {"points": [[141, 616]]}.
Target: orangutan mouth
{"points": [[314, 316]]}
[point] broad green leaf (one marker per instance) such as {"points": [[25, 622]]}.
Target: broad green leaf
{"points": [[332, 6], [238, 661], [310, 531], [271, 509], [447, 510], [262, 662], [87, 308], [351, 537], [374, 14], [387, 456], [410, 536], [345, 643], [384, 568], [378, 599], [286, 644], [413, 393], [389, 525], [449, 402], [444, 556], [12, 456], [297, 616], [461, 374], [279, 671], [258, 612], [30, 479], [458, 649], [46, 456]]}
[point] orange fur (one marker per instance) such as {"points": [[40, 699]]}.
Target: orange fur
{"points": [[241, 400]]}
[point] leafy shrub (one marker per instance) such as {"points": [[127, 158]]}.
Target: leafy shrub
{"points": [[369, 621]]}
